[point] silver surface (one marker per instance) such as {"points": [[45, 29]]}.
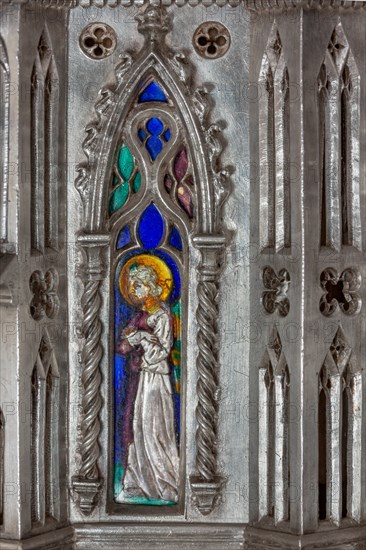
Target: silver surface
{"points": [[244, 326]]}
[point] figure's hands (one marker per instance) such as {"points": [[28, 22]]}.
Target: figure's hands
{"points": [[151, 338], [128, 331]]}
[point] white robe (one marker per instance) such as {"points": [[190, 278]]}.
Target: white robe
{"points": [[153, 464]]}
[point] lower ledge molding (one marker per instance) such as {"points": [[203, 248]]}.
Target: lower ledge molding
{"points": [[164, 536], [349, 538], [170, 536]]}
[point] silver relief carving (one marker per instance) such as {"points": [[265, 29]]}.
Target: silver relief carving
{"points": [[44, 147], [211, 40], [339, 380], [342, 291], [252, 5], [45, 494], [214, 182], [207, 484], [87, 483], [4, 143], [274, 147], [98, 40], [44, 289], [275, 297], [273, 451], [93, 184], [339, 132]]}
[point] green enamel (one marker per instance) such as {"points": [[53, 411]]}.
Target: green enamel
{"points": [[125, 162], [176, 309], [118, 477], [118, 197], [178, 345], [115, 181], [137, 182]]}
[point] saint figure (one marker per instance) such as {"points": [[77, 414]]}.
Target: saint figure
{"points": [[152, 469]]}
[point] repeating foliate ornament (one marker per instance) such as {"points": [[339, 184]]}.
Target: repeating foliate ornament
{"points": [[341, 291], [44, 288], [275, 298]]}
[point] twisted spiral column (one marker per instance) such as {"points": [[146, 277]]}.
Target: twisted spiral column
{"points": [[206, 484], [88, 482], [207, 385], [91, 378]]}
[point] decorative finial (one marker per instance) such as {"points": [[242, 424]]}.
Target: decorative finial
{"points": [[154, 23]]}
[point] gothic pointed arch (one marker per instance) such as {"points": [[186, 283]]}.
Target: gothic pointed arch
{"points": [[339, 428], [44, 434], [44, 144], [339, 144], [151, 188], [273, 450], [274, 146], [173, 72]]}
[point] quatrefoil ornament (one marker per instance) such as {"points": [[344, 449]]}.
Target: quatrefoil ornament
{"points": [[44, 289], [340, 291], [275, 298], [211, 40]]}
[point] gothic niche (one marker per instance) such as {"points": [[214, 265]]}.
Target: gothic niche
{"points": [[45, 494], [148, 263], [339, 134], [339, 433], [273, 450], [274, 147], [160, 192], [44, 143]]}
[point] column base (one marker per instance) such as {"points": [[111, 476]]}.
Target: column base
{"points": [[87, 491], [206, 493]]}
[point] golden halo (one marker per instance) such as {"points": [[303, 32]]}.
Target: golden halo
{"points": [[165, 277]]}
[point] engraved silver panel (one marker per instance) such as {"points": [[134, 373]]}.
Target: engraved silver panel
{"points": [[238, 429]]}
